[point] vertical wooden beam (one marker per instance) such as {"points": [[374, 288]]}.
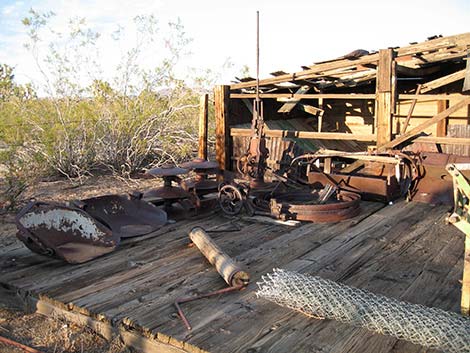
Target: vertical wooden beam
{"points": [[222, 129], [385, 95], [465, 300], [441, 126], [203, 125]]}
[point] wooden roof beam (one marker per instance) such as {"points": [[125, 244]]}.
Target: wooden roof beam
{"points": [[315, 71], [442, 81], [312, 73]]}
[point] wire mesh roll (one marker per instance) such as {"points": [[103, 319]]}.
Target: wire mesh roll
{"points": [[320, 298]]}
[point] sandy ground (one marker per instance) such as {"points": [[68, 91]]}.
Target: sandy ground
{"points": [[34, 330]]}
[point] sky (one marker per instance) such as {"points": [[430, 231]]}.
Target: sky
{"points": [[292, 33]]}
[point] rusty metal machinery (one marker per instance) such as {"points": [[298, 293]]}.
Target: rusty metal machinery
{"points": [[204, 182], [82, 230], [460, 218], [435, 184], [252, 165], [234, 197], [383, 177], [168, 195], [313, 207]]}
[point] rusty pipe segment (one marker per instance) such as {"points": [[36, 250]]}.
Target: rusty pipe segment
{"points": [[82, 230]]}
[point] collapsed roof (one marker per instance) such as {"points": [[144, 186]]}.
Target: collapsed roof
{"points": [[436, 62]]}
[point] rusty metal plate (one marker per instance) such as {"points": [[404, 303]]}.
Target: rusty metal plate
{"points": [[125, 215], [435, 185], [200, 164], [82, 230], [166, 193], [369, 187], [167, 170], [204, 185], [64, 232]]}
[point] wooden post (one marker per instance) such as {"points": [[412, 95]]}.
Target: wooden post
{"points": [[203, 125], [385, 93], [227, 268], [441, 126], [465, 301], [222, 133]]}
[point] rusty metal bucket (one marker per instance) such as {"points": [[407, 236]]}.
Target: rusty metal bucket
{"points": [[83, 230]]}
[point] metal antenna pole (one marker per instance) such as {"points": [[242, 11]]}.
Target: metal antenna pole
{"points": [[257, 59]]}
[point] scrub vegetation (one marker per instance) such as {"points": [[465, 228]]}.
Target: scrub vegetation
{"points": [[75, 123]]}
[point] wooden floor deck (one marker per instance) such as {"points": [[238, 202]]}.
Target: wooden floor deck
{"points": [[403, 251]]}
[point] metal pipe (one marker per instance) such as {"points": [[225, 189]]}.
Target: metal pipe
{"points": [[201, 296], [18, 345]]}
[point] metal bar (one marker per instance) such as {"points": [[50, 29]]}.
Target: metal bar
{"points": [[19, 345], [202, 296]]}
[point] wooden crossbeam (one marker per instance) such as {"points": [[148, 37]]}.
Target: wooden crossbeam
{"points": [[322, 69], [435, 44], [348, 96], [314, 111], [442, 81], [311, 73], [304, 96], [463, 141], [421, 127], [410, 111], [287, 107], [309, 135]]}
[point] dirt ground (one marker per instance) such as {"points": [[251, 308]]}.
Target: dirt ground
{"points": [[37, 331]]}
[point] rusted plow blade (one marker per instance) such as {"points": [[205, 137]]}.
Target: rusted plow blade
{"points": [[83, 230]]}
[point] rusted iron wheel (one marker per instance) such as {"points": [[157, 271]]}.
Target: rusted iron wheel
{"points": [[302, 207], [231, 199]]}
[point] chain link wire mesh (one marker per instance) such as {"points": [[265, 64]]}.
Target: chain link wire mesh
{"points": [[324, 299]]}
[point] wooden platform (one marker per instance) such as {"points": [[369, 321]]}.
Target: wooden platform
{"points": [[404, 251]]}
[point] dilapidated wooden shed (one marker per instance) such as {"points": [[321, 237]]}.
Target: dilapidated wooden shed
{"points": [[361, 100]]}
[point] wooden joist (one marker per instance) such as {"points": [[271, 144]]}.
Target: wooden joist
{"points": [[306, 135], [410, 111], [304, 96], [435, 44], [421, 127], [287, 107], [442, 81], [434, 50], [443, 140], [348, 96], [311, 73]]}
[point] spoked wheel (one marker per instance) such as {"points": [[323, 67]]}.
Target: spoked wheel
{"points": [[231, 199]]}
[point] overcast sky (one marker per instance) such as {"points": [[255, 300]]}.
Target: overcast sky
{"points": [[293, 33]]}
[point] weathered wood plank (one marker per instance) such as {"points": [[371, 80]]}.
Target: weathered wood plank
{"points": [[421, 127], [442, 81], [287, 107], [203, 125], [306, 135], [222, 136]]}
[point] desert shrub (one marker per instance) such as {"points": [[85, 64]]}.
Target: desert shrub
{"points": [[77, 126]]}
